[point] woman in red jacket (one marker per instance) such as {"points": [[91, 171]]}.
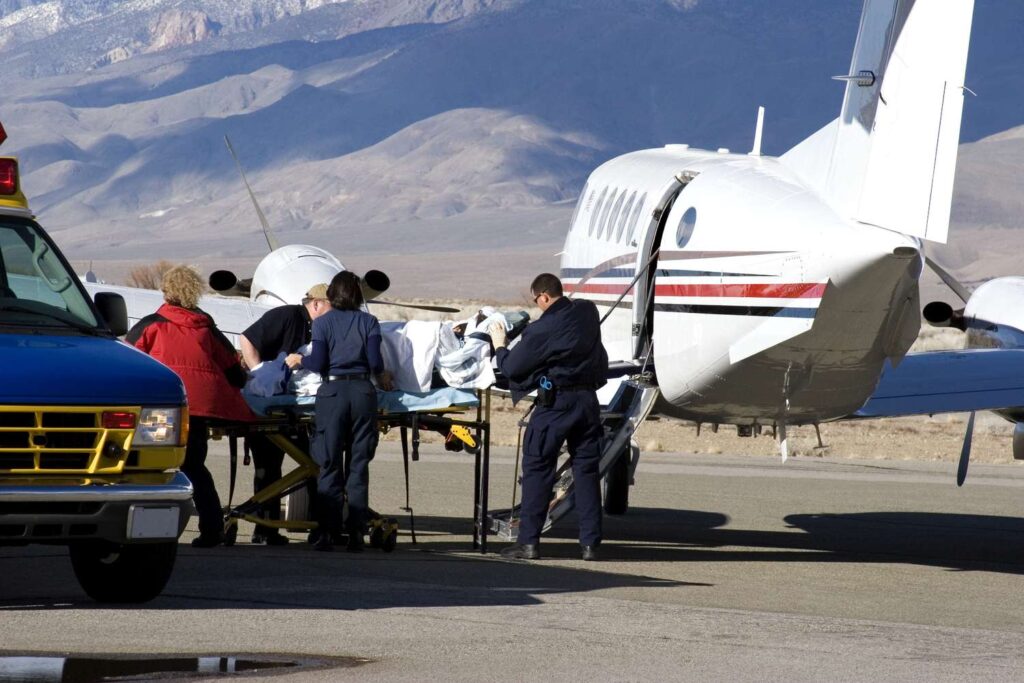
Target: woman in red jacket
{"points": [[186, 340]]}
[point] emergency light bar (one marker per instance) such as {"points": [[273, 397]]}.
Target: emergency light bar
{"points": [[8, 176]]}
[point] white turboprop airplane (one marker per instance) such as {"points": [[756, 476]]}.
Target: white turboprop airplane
{"points": [[758, 291], [780, 291]]}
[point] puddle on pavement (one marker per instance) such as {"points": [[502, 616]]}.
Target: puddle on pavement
{"points": [[100, 668]]}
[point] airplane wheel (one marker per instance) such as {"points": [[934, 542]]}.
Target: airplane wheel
{"points": [[390, 541], [616, 487], [230, 535]]}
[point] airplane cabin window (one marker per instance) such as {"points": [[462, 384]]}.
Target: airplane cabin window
{"points": [[636, 219], [627, 211], [613, 216], [603, 220], [686, 225], [596, 211]]}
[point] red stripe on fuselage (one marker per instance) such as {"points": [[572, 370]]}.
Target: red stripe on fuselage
{"points": [[790, 290]]}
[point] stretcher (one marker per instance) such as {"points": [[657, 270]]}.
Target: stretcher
{"points": [[447, 411]]}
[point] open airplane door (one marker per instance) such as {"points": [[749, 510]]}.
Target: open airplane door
{"points": [[647, 268]]}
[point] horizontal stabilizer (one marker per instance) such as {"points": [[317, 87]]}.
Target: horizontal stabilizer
{"points": [[949, 382]]}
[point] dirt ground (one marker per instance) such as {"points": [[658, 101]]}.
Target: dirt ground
{"points": [[910, 438]]}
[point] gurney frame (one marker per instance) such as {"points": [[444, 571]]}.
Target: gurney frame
{"points": [[278, 426]]}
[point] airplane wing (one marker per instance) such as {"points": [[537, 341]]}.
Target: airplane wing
{"points": [[949, 382]]}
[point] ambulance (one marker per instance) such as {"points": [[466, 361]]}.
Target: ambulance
{"points": [[92, 431]]}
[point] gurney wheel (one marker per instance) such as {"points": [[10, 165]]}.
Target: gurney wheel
{"points": [[377, 537], [230, 534], [390, 541]]}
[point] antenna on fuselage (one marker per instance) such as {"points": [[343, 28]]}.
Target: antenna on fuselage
{"points": [[271, 240], [758, 129]]}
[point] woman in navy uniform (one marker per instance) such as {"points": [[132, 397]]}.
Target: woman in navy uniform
{"points": [[562, 351], [346, 352]]}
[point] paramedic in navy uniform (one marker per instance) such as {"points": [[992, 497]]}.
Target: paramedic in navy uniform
{"points": [[564, 348], [284, 329], [346, 352]]}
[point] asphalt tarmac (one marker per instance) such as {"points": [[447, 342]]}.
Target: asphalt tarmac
{"points": [[725, 568]]}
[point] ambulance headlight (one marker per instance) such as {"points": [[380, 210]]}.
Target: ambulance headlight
{"points": [[158, 427]]}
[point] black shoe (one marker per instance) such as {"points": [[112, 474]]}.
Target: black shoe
{"points": [[528, 551], [208, 541], [589, 552], [323, 544], [355, 543], [272, 538]]}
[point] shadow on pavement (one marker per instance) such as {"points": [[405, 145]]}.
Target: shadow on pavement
{"points": [[438, 571], [955, 541]]}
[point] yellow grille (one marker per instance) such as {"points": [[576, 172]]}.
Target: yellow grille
{"points": [[61, 440]]}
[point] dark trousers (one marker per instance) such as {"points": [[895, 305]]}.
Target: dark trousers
{"points": [[574, 419], [346, 413], [267, 459], [204, 493]]}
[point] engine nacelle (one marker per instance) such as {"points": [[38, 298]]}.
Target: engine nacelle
{"points": [[994, 315], [287, 273], [993, 319]]}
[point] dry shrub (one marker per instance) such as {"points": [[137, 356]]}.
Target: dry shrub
{"points": [[149, 276]]}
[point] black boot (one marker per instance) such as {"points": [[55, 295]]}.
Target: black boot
{"points": [[527, 551]]}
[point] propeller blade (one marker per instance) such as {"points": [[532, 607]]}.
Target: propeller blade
{"points": [[965, 452], [959, 289], [271, 240], [422, 307]]}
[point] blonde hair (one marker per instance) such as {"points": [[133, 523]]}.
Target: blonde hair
{"points": [[182, 286]]}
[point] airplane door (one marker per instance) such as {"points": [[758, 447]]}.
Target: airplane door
{"points": [[647, 256]]}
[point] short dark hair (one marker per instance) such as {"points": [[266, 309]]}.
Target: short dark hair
{"points": [[546, 283], [345, 291]]}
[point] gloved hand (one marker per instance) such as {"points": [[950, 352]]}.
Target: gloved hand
{"points": [[498, 336], [385, 381]]}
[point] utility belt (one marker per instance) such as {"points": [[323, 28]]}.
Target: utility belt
{"points": [[547, 392], [349, 378]]}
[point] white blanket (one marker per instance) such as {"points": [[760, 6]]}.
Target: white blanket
{"points": [[409, 351]]}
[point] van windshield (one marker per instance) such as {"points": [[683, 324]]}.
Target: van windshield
{"points": [[36, 287]]}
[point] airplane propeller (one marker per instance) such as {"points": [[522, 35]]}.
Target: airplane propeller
{"points": [[374, 282], [965, 452], [422, 307]]}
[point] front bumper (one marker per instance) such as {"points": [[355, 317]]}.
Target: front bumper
{"points": [[62, 511]]}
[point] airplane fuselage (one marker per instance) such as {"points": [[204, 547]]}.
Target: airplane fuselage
{"points": [[767, 305]]}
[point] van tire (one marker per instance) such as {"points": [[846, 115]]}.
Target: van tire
{"points": [[123, 573]]}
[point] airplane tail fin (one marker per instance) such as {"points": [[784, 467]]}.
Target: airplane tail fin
{"points": [[889, 159]]}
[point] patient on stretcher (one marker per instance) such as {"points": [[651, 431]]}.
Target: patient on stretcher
{"points": [[424, 356]]}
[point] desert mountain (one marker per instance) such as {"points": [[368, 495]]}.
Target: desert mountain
{"points": [[468, 123]]}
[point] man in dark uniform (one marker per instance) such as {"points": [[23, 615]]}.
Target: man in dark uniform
{"points": [[563, 351], [284, 329]]}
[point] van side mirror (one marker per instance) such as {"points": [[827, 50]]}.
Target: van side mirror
{"points": [[114, 312]]}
